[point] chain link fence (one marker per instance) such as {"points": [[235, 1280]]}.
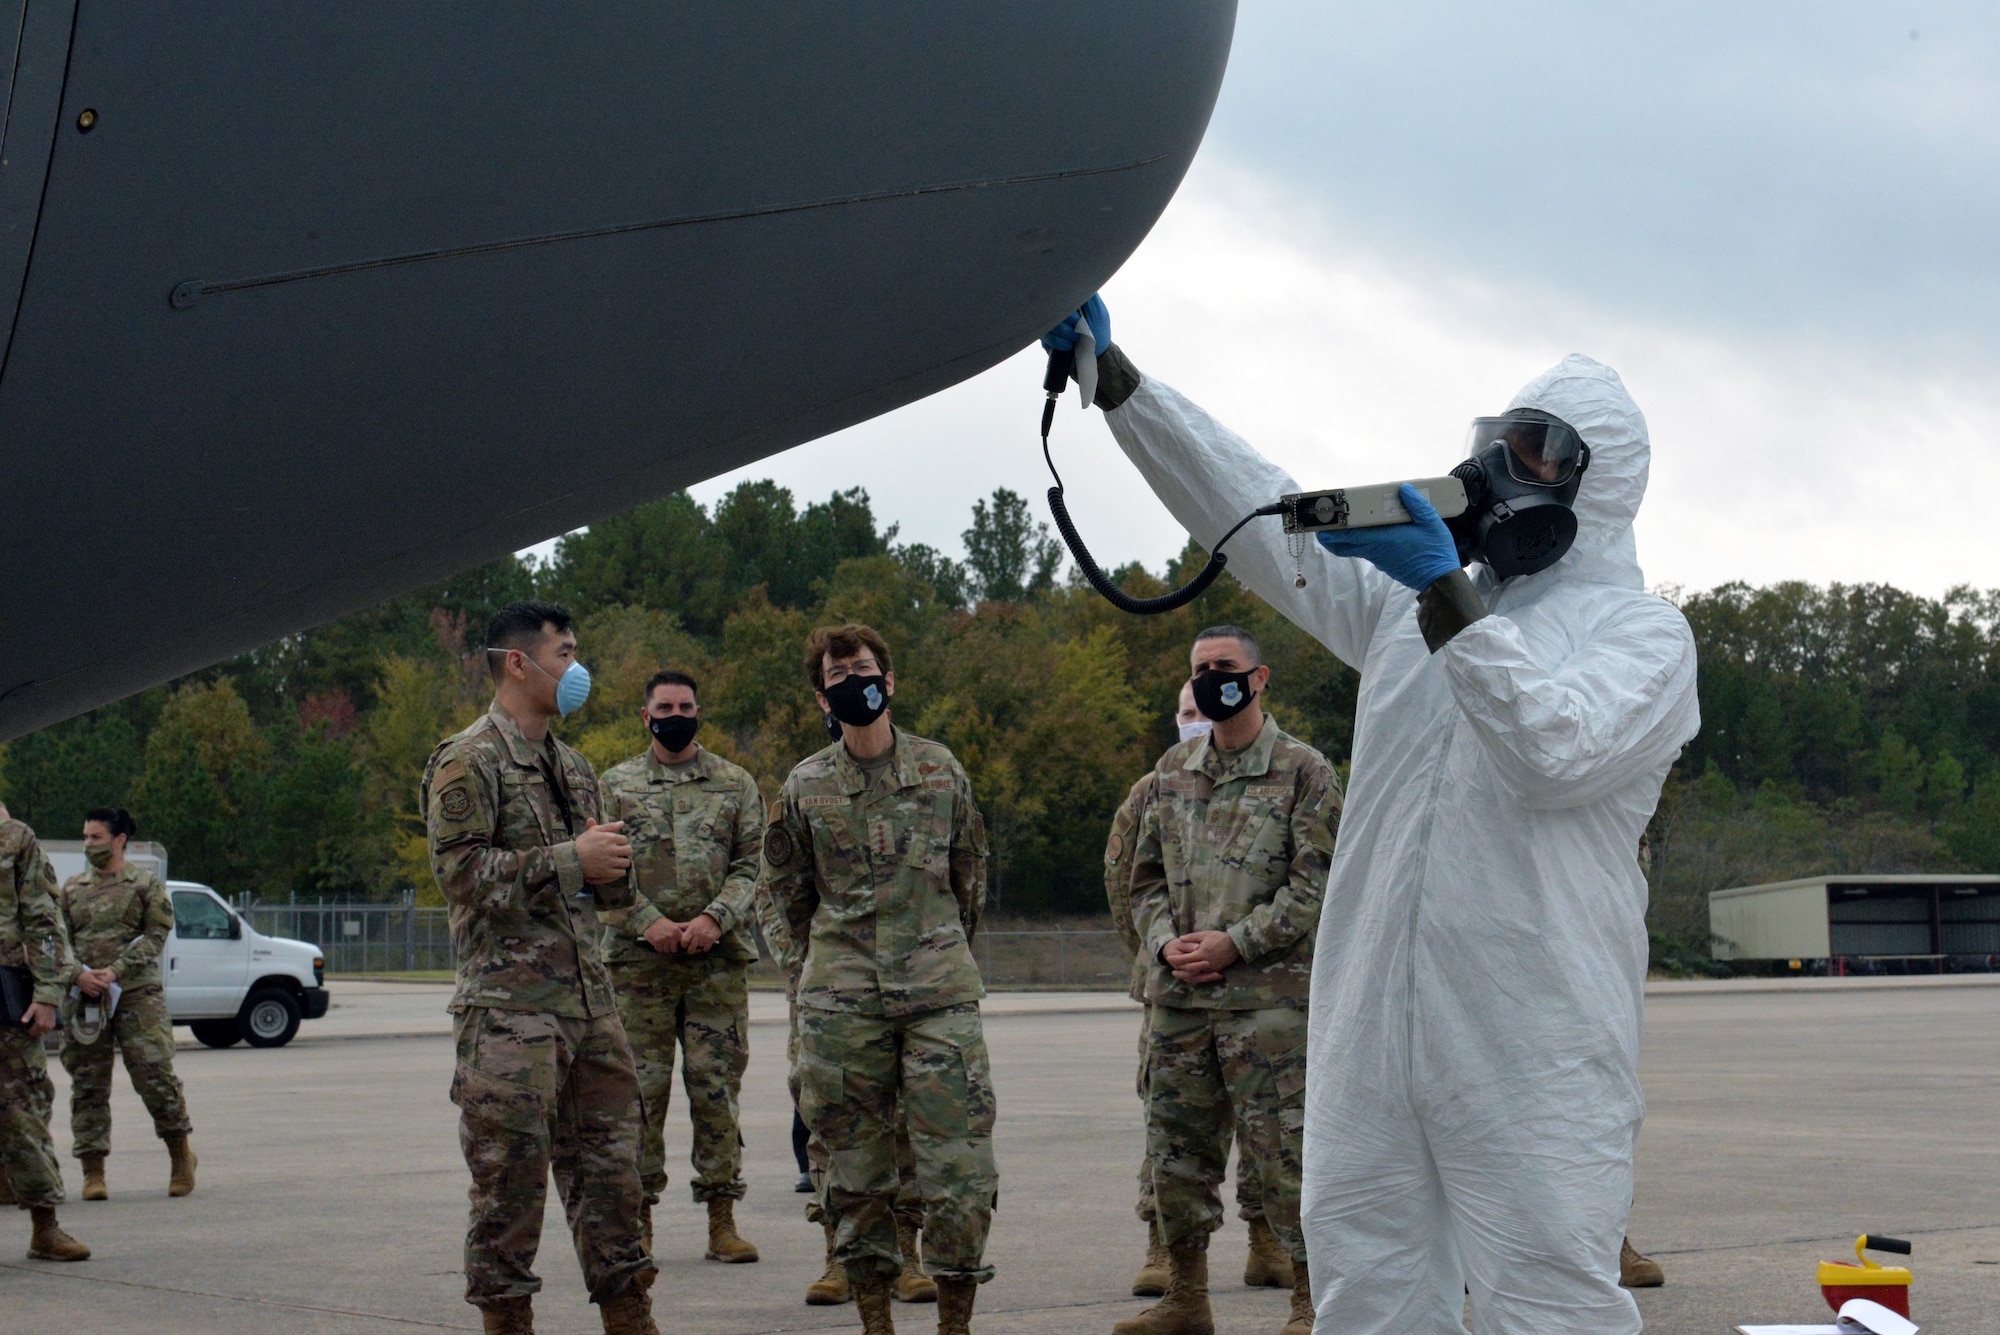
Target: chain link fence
{"points": [[409, 938]]}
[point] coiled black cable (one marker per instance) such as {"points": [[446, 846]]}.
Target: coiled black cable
{"points": [[1058, 374]]}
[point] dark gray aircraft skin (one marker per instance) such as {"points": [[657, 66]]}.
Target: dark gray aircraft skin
{"points": [[308, 305]]}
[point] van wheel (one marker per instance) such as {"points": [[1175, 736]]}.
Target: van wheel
{"points": [[269, 1018], [218, 1033]]}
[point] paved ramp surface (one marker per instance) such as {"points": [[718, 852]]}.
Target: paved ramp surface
{"points": [[333, 1199]]}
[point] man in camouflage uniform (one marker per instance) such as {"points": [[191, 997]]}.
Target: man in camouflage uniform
{"points": [[1267, 1265], [876, 856], [544, 1078], [1229, 871], [118, 917], [31, 938], [679, 956]]}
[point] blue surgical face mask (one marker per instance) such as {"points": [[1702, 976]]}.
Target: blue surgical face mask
{"points": [[572, 687], [1199, 728]]}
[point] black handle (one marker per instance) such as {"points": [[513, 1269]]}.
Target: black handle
{"points": [[1061, 362], [1876, 1242]]}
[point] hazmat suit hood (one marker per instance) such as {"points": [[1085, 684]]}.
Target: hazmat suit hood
{"points": [[1590, 397]]}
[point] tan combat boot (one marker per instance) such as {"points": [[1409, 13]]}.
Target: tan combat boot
{"points": [[1267, 1266], [871, 1295], [1636, 1271], [724, 1243], [50, 1243], [1184, 1309], [509, 1316], [1151, 1281], [93, 1178], [913, 1285], [630, 1312], [830, 1289], [955, 1305], [182, 1154], [1302, 1303]]}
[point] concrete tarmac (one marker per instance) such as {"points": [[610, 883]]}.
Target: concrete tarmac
{"points": [[332, 1196]]}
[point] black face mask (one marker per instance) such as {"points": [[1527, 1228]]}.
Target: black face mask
{"points": [[858, 701], [1520, 485], [833, 727], [673, 732], [1222, 695]]}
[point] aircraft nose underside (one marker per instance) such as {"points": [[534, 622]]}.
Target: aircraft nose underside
{"points": [[312, 305]]}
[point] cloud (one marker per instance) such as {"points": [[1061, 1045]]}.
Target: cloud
{"points": [[1821, 173]]}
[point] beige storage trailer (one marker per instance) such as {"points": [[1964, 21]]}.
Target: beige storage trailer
{"points": [[1897, 922]]}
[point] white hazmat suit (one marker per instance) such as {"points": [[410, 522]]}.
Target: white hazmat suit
{"points": [[1472, 1096]]}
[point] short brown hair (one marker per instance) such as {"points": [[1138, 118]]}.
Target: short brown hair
{"points": [[843, 642]]}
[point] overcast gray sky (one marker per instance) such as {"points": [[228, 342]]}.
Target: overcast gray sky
{"points": [[1778, 221]]}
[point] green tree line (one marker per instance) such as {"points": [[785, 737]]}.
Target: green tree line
{"points": [[1845, 728]]}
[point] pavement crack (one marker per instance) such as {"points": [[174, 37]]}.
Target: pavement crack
{"points": [[41, 1273]]}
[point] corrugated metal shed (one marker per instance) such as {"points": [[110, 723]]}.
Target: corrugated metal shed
{"points": [[1943, 918]]}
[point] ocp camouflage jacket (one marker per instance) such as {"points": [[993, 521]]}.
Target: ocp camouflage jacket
{"points": [[31, 933], [503, 814], [1119, 859], [885, 886], [696, 832], [119, 920], [1238, 844]]}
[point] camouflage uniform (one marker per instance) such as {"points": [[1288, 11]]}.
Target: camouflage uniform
{"points": [[31, 935], [1118, 866], [1238, 843], [544, 1077], [120, 920], [885, 884], [909, 1207], [695, 830]]}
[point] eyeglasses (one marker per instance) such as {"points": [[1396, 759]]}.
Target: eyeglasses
{"points": [[839, 672]]}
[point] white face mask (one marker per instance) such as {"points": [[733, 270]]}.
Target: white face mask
{"points": [[1190, 731]]}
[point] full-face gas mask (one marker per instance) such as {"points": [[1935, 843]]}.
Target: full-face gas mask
{"points": [[1520, 477]]}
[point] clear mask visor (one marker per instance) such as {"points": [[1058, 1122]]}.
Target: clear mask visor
{"points": [[1540, 453]]}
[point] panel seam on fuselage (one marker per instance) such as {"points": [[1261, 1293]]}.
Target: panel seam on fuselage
{"points": [[186, 294]]}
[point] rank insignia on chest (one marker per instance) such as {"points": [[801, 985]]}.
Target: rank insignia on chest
{"points": [[881, 839]]}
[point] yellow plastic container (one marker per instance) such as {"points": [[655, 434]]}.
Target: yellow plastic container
{"points": [[1886, 1284]]}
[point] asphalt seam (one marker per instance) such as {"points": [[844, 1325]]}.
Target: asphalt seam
{"points": [[248, 1300], [1790, 1242]]}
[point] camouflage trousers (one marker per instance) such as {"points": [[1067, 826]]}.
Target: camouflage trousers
{"points": [[536, 1093], [26, 1095], [909, 1207], [1249, 1191], [858, 1074], [140, 1030], [1209, 1069], [703, 1008]]}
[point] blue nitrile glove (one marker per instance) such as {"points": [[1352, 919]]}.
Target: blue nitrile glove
{"points": [[1416, 555], [1063, 337]]}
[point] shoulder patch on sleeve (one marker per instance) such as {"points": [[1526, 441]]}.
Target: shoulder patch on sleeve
{"points": [[455, 802], [777, 845], [1115, 849]]}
